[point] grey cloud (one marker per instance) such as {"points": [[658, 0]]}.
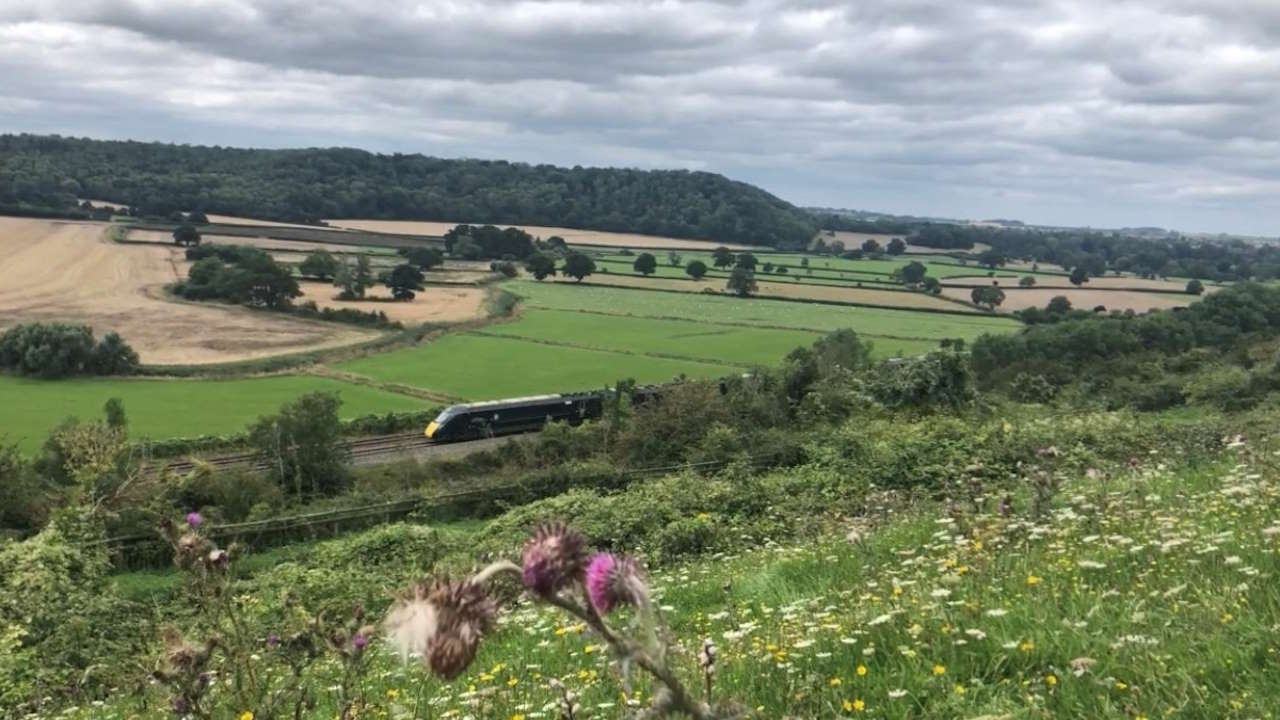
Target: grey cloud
{"points": [[1107, 112]]}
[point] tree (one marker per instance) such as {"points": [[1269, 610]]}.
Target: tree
{"points": [[767, 267], [933, 286], [722, 257], [114, 412], [1195, 287], [804, 262], [505, 268], [353, 281], [897, 246], [423, 258], [747, 260], [540, 265], [1059, 304], [1027, 281], [467, 249], [112, 356], [645, 264], [695, 269], [319, 264], [913, 272], [557, 244], [403, 280], [578, 266], [673, 259], [742, 282], [302, 448], [991, 258], [1079, 276], [870, 246], [195, 217], [988, 295], [186, 235], [836, 247], [57, 350]]}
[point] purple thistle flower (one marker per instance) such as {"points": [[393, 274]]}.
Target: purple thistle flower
{"points": [[553, 558], [613, 581], [273, 640], [194, 520], [359, 642]]}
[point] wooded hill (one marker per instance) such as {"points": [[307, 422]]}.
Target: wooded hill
{"points": [[48, 172]]}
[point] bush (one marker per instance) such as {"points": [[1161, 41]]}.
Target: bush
{"points": [[58, 350], [1032, 388]]}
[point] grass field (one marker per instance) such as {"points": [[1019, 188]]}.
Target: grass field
{"points": [[172, 408], [769, 313], [475, 367], [937, 268]]}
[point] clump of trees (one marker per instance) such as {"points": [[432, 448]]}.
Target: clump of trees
{"points": [[540, 265], [238, 274], [989, 296], [488, 242], [403, 280], [578, 265], [186, 235], [56, 350], [423, 258], [696, 269], [320, 264], [742, 282]]}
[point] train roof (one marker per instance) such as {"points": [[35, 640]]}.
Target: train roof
{"points": [[519, 402]]}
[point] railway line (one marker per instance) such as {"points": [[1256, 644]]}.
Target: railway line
{"points": [[365, 451]]}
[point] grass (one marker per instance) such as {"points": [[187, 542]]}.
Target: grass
{"points": [[1148, 594], [476, 367], [767, 313], [172, 408]]}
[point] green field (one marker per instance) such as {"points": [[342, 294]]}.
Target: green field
{"points": [[172, 408], [768, 313], [475, 367]]}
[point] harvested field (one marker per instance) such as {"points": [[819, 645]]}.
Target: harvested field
{"points": [[70, 272], [1109, 282], [572, 236], [867, 296], [854, 240], [1138, 301], [436, 304], [231, 220], [302, 246]]}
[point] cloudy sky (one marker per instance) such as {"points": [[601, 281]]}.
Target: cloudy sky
{"points": [[1080, 112]]}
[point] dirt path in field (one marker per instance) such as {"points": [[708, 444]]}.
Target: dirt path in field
{"points": [[54, 271]]}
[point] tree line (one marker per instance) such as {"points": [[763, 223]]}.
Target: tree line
{"points": [[57, 350], [307, 185]]}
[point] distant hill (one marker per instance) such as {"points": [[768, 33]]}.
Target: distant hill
{"points": [[43, 171]]}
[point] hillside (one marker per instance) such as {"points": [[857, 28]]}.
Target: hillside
{"points": [[308, 184]]}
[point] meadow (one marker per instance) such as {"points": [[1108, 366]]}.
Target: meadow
{"points": [[477, 367], [874, 322], [939, 268], [173, 408]]}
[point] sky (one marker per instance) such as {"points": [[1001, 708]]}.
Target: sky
{"points": [[1104, 113]]}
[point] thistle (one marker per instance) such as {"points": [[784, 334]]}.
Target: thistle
{"points": [[442, 622], [554, 558], [613, 581]]}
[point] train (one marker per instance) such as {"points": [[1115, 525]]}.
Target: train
{"points": [[473, 421], [492, 418]]}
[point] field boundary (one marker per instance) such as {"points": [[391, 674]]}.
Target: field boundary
{"points": [[805, 301]]}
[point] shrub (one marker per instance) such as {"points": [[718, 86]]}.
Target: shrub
{"points": [[58, 350], [1032, 388]]}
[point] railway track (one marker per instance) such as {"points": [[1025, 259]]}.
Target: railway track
{"points": [[365, 451]]}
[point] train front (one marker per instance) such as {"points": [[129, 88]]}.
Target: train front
{"points": [[438, 429]]}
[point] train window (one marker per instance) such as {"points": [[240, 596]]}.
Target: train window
{"points": [[446, 415]]}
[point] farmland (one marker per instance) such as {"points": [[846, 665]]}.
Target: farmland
{"points": [[70, 272], [173, 408], [571, 235]]}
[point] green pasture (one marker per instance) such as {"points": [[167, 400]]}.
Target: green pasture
{"points": [[769, 313], [477, 367], [730, 344], [172, 408]]}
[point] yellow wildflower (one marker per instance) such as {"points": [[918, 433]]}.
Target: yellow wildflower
{"points": [[393, 694], [246, 715], [862, 670], [939, 669], [1033, 580], [1050, 680], [834, 682]]}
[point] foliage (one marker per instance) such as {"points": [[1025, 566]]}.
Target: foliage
{"points": [[300, 445], [897, 246], [938, 380], [491, 242], [186, 234], [742, 282], [989, 295], [1195, 287], [540, 265], [913, 273], [578, 265], [58, 350], [1079, 276], [645, 264], [319, 264], [505, 268], [403, 280], [722, 257], [238, 274], [354, 281], [424, 258], [696, 269], [1027, 281], [1031, 388]]}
